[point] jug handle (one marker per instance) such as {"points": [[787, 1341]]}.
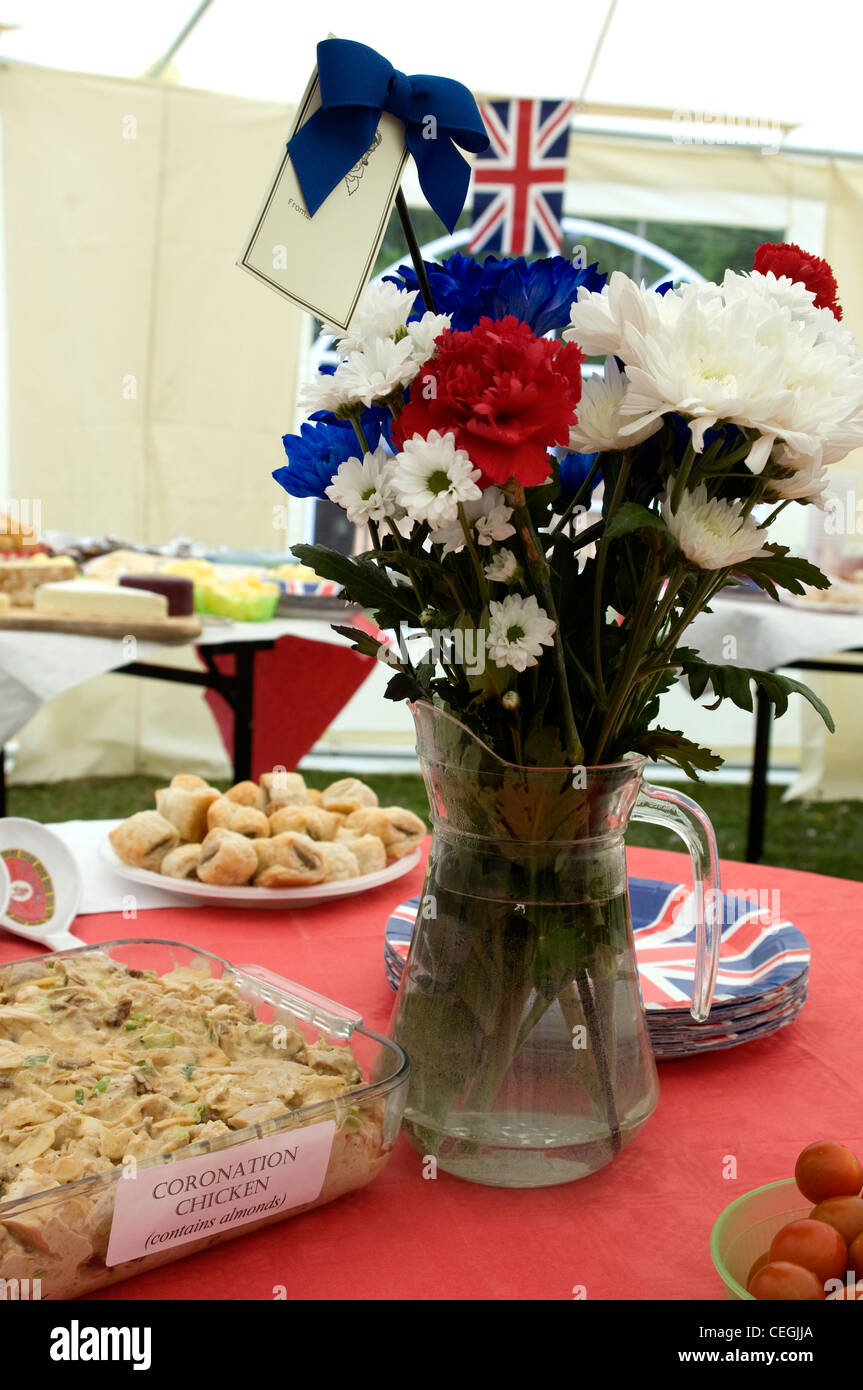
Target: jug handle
{"points": [[671, 809]]}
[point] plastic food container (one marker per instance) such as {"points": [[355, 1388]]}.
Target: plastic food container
{"points": [[253, 602], [746, 1228], [67, 1230]]}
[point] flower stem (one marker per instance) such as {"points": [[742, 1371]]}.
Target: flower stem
{"points": [[597, 1037], [683, 476], [474, 554], [599, 581], [576, 498], [538, 568], [360, 433]]}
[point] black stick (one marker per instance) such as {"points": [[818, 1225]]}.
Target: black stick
{"points": [[415, 253]]}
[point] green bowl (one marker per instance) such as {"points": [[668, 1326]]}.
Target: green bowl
{"points": [[746, 1228]]}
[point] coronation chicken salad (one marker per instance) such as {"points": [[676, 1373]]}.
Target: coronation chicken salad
{"points": [[100, 1064]]}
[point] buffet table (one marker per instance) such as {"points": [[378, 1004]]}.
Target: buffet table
{"points": [[638, 1229], [256, 676]]}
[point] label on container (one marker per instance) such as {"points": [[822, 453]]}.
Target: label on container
{"points": [[213, 1194]]}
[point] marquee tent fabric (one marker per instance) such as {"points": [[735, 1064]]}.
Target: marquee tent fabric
{"points": [[150, 379]]}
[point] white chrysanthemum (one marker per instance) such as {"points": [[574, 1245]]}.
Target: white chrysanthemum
{"points": [[598, 320], [488, 515], [712, 533], [779, 289], [502, 567], [381, 368], [518, 629], [807, 483], [422, 333], [326, 391], [383, 309], [431, 476], [364, 488], [599, 422], [753, 351]]}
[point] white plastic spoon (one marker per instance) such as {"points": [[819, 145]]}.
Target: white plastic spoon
{"points": [[43, 883]]}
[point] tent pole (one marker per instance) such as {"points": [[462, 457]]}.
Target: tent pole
{"points": [[155, 71]]}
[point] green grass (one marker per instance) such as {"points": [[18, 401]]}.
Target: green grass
{"points": [[823, 837]]}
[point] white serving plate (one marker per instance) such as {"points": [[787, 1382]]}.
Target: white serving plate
{"points": [[218, 896]]}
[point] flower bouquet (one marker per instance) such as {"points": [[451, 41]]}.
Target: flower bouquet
{"points": [[539, 622]]}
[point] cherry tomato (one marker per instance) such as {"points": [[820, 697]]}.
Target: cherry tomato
{"points": [[826, 1169], [759, 1264], [854, 1292], [814, 1245], [855, 1256], [780, 1280], [844, 1214]]}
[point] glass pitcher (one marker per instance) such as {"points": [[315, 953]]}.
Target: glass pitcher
{"points": [[520, 1006]]}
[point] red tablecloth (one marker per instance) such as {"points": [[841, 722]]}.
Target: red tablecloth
{"points": [[637, 1229]]}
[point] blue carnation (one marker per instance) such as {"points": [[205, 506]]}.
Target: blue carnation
{"points": [[573, 470], [314, 455], [539, 293]]}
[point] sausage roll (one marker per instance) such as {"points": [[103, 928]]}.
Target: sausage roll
{"points": [[283, 789], [400, 830], [368, 851], [295, 860], [244, 820], [226, 859], [144, 839], [246, 794], [187, 809], [348, 794], [181, 862], [313, 821]]}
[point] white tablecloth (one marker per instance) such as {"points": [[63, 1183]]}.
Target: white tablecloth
{"points": [[768, 635], [36, 666]]}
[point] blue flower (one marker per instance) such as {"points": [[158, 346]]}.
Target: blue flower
{"points": [[538, 293], [573, 470], [314, 455]]}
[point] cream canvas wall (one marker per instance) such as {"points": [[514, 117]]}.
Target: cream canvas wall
{"points": [[150, 378]]}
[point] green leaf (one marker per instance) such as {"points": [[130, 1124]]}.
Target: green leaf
{"points": [[784, 571], [361, 641], [735, 683], [543, 748], [363, 581], [672, 746], [633, 517]]}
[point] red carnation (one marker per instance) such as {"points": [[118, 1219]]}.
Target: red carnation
{"points": [[784, 258], [505, 394]]}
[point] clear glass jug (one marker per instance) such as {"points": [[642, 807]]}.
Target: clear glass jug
{"points": [[520, 1006]]}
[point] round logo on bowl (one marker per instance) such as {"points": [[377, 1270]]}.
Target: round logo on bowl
{"points": [[31, 901]]}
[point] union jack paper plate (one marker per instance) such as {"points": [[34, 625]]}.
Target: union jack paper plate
{"points": [[761, 983], [309, 588]]}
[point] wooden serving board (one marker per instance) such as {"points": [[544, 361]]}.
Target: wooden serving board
{"points": [[168, 631]]}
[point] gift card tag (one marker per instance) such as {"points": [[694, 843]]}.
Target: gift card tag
{"points": [[323, 263]]}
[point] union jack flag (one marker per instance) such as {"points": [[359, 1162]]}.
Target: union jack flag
{"points": [[519, 182]]}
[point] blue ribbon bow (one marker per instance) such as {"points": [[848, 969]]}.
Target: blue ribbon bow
{"points": [[357, 86]]}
